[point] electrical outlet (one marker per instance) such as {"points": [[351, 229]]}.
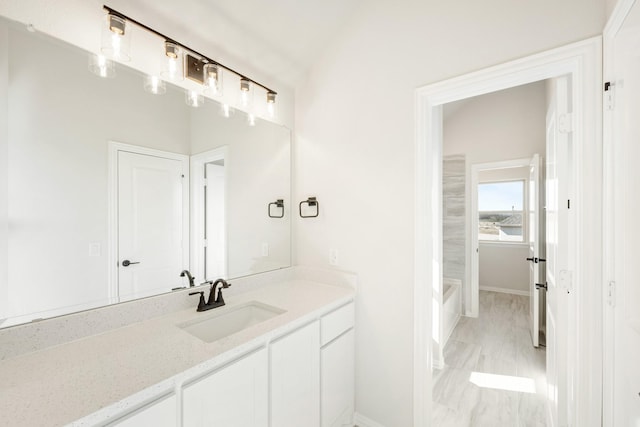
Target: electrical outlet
{"points": [[333, 256]]}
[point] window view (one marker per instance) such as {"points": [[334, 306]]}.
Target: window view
{"points": [[500, 206]]}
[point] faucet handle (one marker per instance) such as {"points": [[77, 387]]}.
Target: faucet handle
{"points": [[201, 303]]}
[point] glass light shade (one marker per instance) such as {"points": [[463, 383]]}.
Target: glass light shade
{"points": [[271, 104], [155, 85], [213, 79], [194, 99], [101, 66], [226, 110], [246, 94], [116, 38], [173, 64]]}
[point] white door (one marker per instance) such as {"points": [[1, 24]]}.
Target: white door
{"points": [[534, 249], [215, 222], [151, 223], [558, 174], [624, 221]]}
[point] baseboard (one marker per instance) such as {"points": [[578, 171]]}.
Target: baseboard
{"points": [[504, 291], [362, 421]]}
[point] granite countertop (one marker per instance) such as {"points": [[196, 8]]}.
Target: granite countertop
{"points": [[100, 376]]}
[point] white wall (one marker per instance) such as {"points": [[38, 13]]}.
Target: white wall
{"points": [[258, 172], [355, 147], [504, 125]]}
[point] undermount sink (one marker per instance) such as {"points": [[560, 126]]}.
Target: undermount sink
{"points": [[230, 320]]}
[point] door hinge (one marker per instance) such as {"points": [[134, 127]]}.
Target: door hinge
{"points": [[609, 96], [204, 182], [204, 243], [565, 123], [611, 294]]}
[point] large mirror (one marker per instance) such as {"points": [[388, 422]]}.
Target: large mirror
{"points": [[107, 192]]}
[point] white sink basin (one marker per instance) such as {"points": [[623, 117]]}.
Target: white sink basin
{"points": [[230, 320]]}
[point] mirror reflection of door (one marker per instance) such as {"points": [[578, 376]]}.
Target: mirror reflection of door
{"points": [[209, 181], [151, 219], [215, 264]]}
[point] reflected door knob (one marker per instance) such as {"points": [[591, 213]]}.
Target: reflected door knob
{"points": [[127, 263]]}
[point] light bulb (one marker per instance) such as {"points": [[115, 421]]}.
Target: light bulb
{"points": [[246, 94], [225, 110], [155, 85], [173, 62], [101, 66], [116, 38], [213, 79], [251, 119], [271, 104], [194, 99]]}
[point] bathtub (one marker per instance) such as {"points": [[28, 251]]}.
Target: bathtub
{"points": [[451, 306], [447, 309]]}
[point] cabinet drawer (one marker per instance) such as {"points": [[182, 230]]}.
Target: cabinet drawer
{"points": [[336, 322]]}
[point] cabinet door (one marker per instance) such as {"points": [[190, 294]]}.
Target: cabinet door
{"points": [[234, 396], [338, 381], [295, 378], [162, 413]]}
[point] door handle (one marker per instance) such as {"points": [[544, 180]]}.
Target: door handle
{"points": [[530, 259], [542, 260], [541, 286], [127, 263]]}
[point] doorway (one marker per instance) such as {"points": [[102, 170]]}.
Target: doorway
{"points": [[492, 373], [148, 220], [579, 61]]}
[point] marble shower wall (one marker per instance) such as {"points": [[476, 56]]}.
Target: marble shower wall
{"points": [[453, 217]]}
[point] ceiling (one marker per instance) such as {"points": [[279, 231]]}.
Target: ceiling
{"points": [[281, 38]]}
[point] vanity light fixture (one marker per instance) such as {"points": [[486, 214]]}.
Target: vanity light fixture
{"points": [[199, 68], [116, 38], [155, 85], [101, 66]]}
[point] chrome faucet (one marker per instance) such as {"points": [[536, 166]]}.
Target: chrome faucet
{"points": [[191, 278], [214, 301]]}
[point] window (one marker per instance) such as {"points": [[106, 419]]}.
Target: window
{"points": [[500, 210]]}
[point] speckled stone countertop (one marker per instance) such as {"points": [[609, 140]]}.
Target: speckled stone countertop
{"points": [[92, 380]]}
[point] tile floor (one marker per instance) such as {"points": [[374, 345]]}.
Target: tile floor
{"points": [[483, 354]]}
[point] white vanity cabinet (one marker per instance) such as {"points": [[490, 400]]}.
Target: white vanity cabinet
{"points": [[337, 367], [160, 413], [295, 378], [236, 395]]}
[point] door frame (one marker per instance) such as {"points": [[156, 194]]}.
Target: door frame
{"points": [[113, 148], [197, 206], [611, 30], [472, 293], [582, 62]]}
